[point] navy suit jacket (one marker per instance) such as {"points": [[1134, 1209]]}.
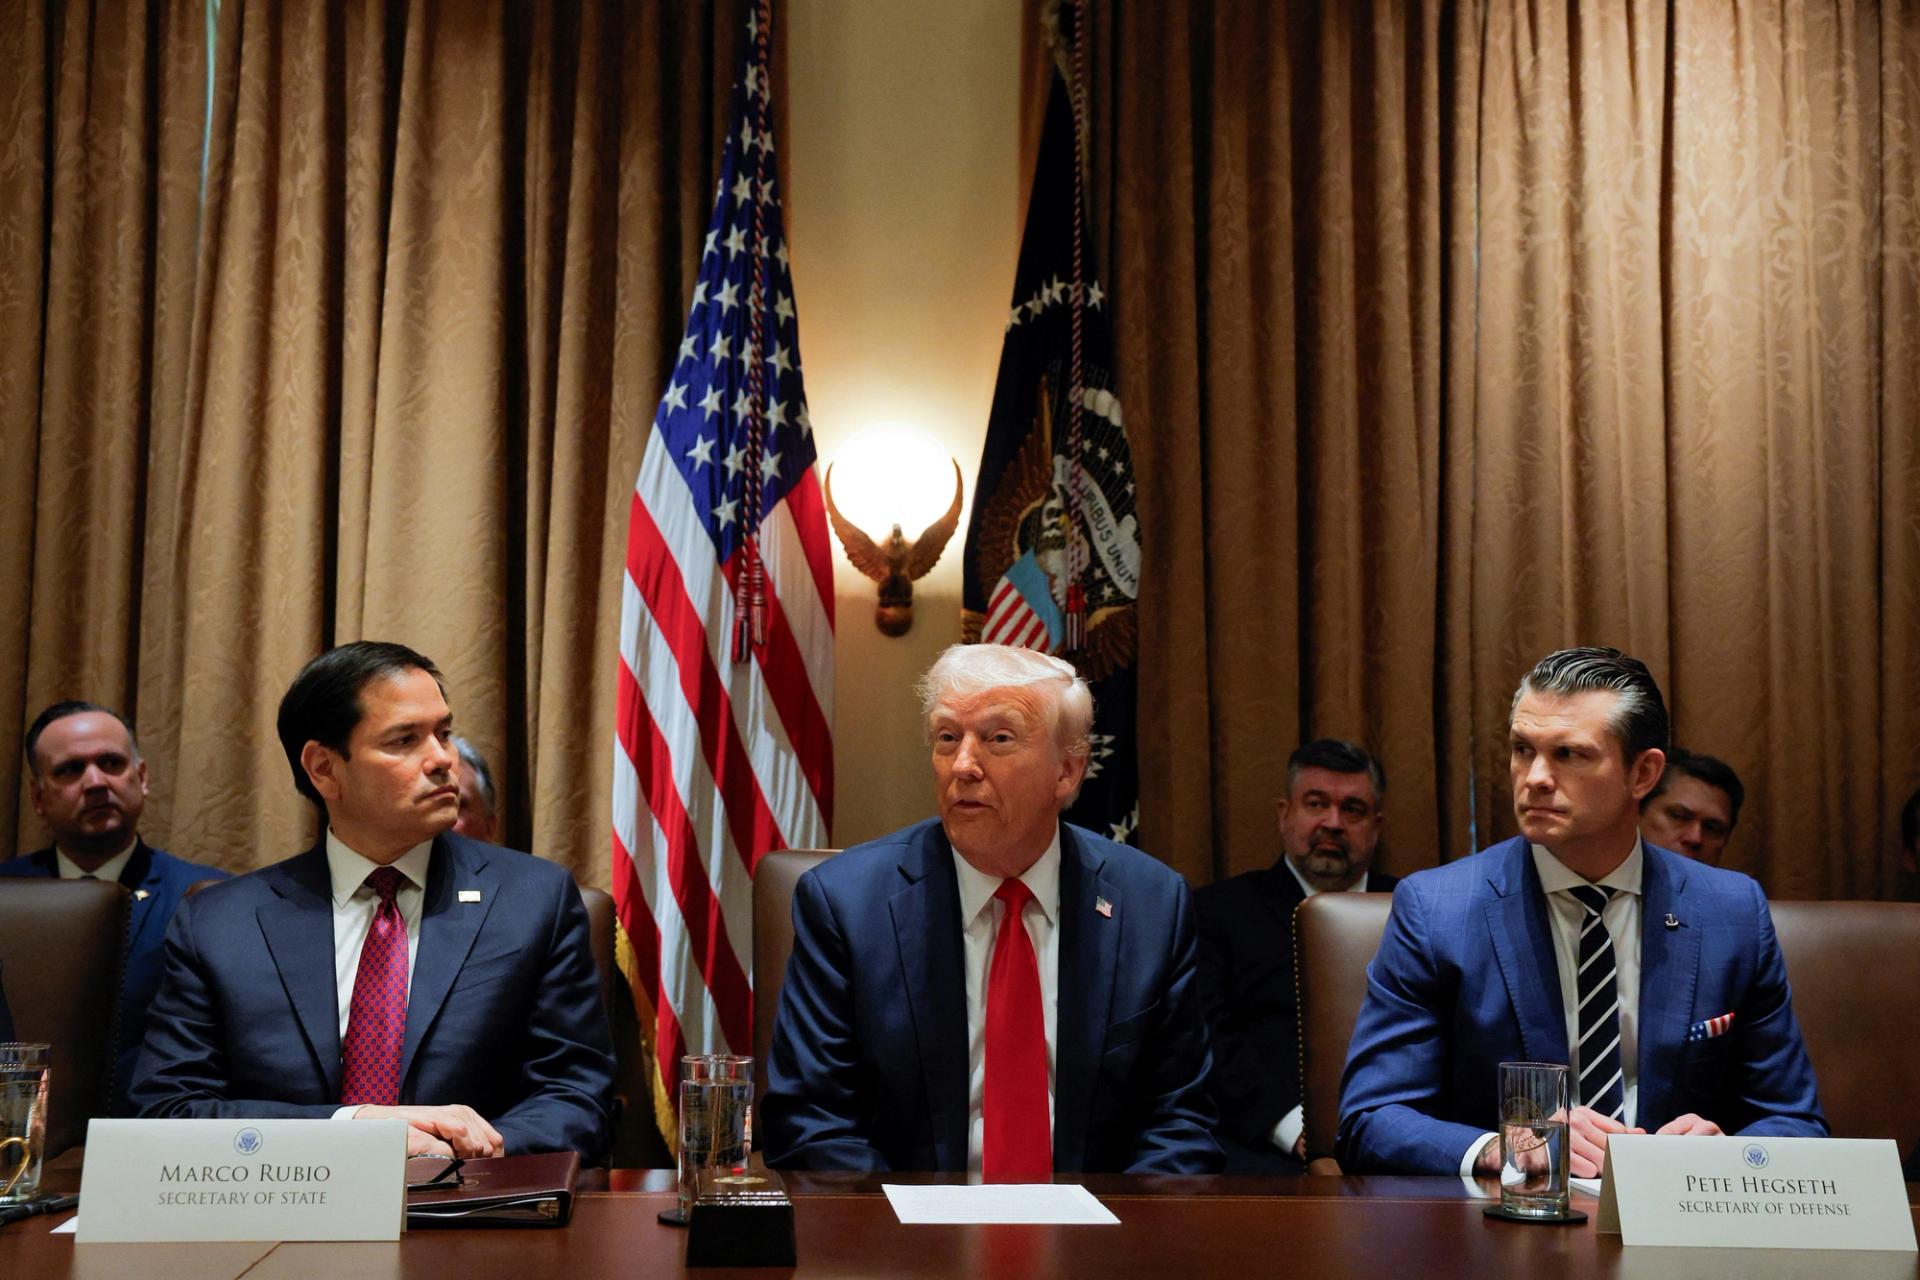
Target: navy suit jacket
{"points": [[1465, 979], [869, 1065], [158, 882], [1248, 994], [503, 1012]]}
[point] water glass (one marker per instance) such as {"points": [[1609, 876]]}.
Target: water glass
{"points": [[1533, 1139], [23, 1119], [716, 1098]]}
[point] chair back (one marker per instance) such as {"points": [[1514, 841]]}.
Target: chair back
{"points": [[773, 882], [63, 948], [599, 905], [1855, 970], [1335, 936]]}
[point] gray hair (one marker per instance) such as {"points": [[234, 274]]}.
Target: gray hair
{"points": [[1639, 718], [481, 773], [972, 669]]}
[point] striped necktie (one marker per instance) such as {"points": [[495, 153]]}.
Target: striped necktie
{"points": [[1602, 1086]]}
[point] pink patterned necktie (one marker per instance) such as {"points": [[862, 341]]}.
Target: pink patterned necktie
{"points": [[377, 1021]]}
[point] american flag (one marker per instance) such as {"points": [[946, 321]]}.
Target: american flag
{"points": [[723, 744]]}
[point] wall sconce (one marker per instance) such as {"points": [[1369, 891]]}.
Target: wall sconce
{"points": [[887, 477]]}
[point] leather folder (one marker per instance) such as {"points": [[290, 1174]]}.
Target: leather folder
{"points": [[506, 1191]]}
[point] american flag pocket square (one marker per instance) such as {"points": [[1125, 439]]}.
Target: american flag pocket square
{"points": [[1710, 1028]]}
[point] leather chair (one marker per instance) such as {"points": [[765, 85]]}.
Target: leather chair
{"points": [[599, 905], [1855, 970], [1335, 936], [773, 882], [63, 947]]}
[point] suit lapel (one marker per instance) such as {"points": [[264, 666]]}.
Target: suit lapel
{"points": [[926, 930], [447, 931], [1523, 942], [1669, 974], [1089, 947], [142, 877], [1281, 893], [298, 928]]}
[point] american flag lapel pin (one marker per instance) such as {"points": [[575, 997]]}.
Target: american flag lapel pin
{"points": [[1710, 1028], [1104, 907], [469, 895]]}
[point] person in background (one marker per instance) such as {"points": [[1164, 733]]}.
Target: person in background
{"points": [[1328, 827], [86, 778], [479, 802], [1694, 807]]}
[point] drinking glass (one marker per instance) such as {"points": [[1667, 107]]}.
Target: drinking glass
{"points": [[1533, 1139], [716, 1095], [23, 1119]]}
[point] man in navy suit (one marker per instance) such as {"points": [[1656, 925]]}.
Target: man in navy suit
{"points": [[994, 991], [1329, 827], [86, 778], [395, 969], [1682, 1021]]}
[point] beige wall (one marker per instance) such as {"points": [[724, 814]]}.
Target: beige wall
{"points": [[903, 220]]}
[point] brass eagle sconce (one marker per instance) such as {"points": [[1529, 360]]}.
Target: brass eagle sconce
{"points": [[896, 562]]}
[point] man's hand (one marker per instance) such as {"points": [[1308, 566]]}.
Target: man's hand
{"points": [[1587, 1131], [422, 1143], [460, 1129], [1689, 1125]]}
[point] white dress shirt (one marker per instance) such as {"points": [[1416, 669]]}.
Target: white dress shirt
{"points": [[1287, 1133], [980, 914], [1621, 918], [354, 905], [108, 870]]}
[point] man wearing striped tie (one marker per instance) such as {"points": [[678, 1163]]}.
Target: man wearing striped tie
{"points": [[1657, 979]]}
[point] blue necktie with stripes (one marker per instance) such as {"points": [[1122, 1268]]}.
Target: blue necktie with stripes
{"points": [[1602, 1086]]}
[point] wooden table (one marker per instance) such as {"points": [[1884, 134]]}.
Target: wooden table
{"points": [[1377, 1228]]}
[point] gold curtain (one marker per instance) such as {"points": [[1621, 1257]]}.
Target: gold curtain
{"points": [[1454, 333], [439, 277]]}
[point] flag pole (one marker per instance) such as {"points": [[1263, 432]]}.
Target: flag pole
{"points": [[750, 578]]}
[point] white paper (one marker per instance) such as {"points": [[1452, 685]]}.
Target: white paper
{"points": [[67, 1228], [1588, 1186], [999, 1203]]}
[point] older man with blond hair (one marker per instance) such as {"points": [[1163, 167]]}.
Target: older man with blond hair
{"points": [[993, 990]]}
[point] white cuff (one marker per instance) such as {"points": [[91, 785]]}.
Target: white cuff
{"points": [[347, 1113], [1287, 1133], [1473, 1155]]}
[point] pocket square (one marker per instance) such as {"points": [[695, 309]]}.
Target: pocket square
{"points": [[1710, 1028]]}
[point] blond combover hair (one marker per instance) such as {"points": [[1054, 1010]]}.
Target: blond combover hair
{"points": [[968, 670]]}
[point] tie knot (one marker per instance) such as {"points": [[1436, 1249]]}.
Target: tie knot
{"points": [[386, 882], [1015, 894], [1594, 897]]}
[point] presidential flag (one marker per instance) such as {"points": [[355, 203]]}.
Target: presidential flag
{"points": [[723, 746], [1053, 551]]}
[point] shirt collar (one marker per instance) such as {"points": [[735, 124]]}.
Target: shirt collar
{"points": [[1556, 876], [1358, 886], [108, 870], [1042, 880], [350, 869]]}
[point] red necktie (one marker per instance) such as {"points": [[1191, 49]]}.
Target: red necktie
{"points": [[1019, 1137], [377, 1021]]}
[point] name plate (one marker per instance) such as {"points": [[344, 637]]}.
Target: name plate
{"points": [[1755, 1193], [169, 1180]]}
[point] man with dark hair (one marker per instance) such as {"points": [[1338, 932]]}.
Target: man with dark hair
{"points": [[395, 969], [1694, 807], [1329, 827], [1657, 979], [86, 778], [479, 804]]}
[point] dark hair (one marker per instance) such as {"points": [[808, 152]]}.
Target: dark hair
{"points": [[481, 773], [60, 711], [323, 703], [1910, 821], [1639, 719], [1709, 769], [1337, 756]]}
